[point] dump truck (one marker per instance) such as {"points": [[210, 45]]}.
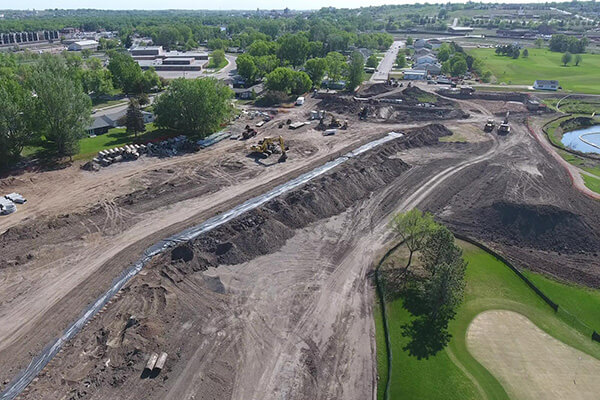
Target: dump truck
{"points": [[489, 126], [504, 128]]}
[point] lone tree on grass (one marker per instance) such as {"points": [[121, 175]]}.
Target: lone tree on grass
{"points": [[432, 295], [566, 58], [134, 118], [413, 228], [578, 59], [525, 53]]}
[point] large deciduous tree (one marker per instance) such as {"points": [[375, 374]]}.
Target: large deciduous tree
{"points": [[413, 228], [62, 108], [356, 71], [194, 106], [315, 68], [15, 131], [293, 49], [134, 119]]}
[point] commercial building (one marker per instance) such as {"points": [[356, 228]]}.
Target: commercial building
{"points": [[159, 59], [83, 45]]}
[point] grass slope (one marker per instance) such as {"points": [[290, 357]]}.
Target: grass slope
{"points": [[543, 64], [591, 182], [490, 285]]}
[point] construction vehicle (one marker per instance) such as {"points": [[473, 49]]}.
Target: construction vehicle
{"points": [[345, 126], [504, 128], [489, 126], [268, 146], [248, 132], [363, 114]]}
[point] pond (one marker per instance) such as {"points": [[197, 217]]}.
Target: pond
{"points": [[585, 140]]}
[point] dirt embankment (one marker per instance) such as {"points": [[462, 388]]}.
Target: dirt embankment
{"points": [[266, 229], [407, 109], [155, 311]]}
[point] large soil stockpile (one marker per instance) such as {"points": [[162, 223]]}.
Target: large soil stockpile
{"points": [[265, 230]]}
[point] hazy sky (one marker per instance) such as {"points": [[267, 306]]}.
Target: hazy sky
{"points": [[204, 4]]}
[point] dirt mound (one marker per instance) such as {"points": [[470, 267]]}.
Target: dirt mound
{"points": [[374, 89], [265, 230], [539, 226], [410, 109]]}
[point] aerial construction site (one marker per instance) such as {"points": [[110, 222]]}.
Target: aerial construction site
{"points": [[327, 208], [272, 299]]}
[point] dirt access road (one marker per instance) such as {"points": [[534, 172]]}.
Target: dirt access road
{"points": [[280, 303], [80, 229]]}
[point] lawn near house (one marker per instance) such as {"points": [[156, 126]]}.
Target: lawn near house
{"points": [[115, 137], [543, 64]]}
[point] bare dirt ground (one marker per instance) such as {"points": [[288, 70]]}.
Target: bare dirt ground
{"points": [[277, 303], [529, 363]]}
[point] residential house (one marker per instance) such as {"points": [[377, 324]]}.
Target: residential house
{"points": [[421, 43], [426, 59], [102, 123], [435, 43], [541, 84], [422, 52], [431, 68]]}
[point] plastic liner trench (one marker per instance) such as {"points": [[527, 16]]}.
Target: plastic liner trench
{"points": [[25, 377]]}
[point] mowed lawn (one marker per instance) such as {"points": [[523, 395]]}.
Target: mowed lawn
{"points": [[454, 373], [543, 64], [115, 137]]}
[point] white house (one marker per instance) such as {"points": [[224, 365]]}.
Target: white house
{"points": [[415, 74], [426, 59], [83, 44], [542, 84]]}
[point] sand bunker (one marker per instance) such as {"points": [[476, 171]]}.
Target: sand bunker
{"points": [[528, 362]]}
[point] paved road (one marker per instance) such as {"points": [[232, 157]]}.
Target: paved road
{"points": [[386, 64]]}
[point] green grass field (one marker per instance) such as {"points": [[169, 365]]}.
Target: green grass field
{"points": [[490, 285], [543, 64], [116, 137], [592, 183]]}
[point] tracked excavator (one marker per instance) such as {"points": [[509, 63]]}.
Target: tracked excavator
{"points": [[504, 128], [269, 145]]}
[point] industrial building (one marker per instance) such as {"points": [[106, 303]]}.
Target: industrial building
{"points": [[83, 45], [159, 59], [14, 38]]}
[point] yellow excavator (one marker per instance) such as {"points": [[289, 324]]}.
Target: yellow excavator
{"points": [[268, 146]]}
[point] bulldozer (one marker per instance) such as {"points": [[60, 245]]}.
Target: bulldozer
{"points": [[489, 126], [504, 128], [268, 146], [248, 132]]}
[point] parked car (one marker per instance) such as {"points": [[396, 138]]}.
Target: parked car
{"points": [[300, 101]]}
